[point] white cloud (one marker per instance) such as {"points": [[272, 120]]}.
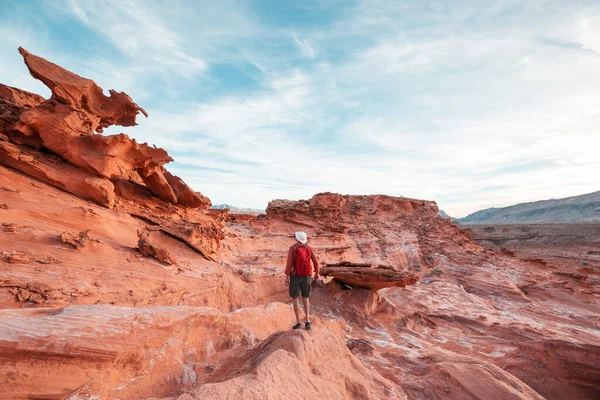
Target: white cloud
{"points": [[473, 105], [306, 48], [165, 37]]}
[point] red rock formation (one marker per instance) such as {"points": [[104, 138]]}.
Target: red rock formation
{"points": [[374, 230], [436, 338], [13, 102], [148, 248], [17, 98], [65, 124], [339, 213], [200, 229], [58, 173], [106, 322], [184, 194], [367, 276], [83, 94], [78, 241]]}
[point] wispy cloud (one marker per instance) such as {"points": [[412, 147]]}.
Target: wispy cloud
{"points": [[470, 104], [305, 47], [138, 30]]}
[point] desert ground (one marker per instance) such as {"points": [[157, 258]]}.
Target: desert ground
{"points": [[118, 281]]}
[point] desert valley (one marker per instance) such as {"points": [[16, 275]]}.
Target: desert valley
{"points": [[118, 281]]}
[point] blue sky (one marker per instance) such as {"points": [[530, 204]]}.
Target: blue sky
{"points": [[473, 104]]}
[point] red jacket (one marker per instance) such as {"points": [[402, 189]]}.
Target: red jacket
{"points": [[290, 260]]}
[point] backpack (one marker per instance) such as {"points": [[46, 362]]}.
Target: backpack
{"points": [[302, 265]]}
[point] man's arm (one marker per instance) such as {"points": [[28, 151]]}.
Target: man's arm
{"points": [[313, 257], [290, 261]]}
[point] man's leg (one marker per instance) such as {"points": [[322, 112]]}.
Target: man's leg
{"points": [[306, 308], [294, 291], [305, 286], [297, 309]]}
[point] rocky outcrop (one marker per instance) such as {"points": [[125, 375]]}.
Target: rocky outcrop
{"points": [[83, 94], [372, 241], [184, 194], [339, 213], [16, 100], [201, 229], [563, 360], [13, 102], [167, 351], [89, 165], [150, 249], [66, 124], [78, 241], [313, 366], [55, 171], [366, 276], [484, 325]]}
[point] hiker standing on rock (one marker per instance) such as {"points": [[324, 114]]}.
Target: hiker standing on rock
{"points": [[298, 275]]}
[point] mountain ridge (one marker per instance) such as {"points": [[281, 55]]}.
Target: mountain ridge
{"points": [[583, 208]]}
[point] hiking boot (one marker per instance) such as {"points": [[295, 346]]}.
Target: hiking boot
{"points": [[297, 326], [307, 325]]}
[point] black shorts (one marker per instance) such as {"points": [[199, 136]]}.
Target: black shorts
{"points": [[300, 283]]}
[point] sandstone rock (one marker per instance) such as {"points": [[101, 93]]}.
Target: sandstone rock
{"points": [[361, 346], [65, 124], [562, 360], [241, 218], [201, 231], [338, 213], [67, 132], [80, 93], [14, 97], [67, 121], [185, 195], [376, 230], [147, 248], [31, 292], [13, 102], [449, 337], [312, 366], [57, 173], [16, 257], [365, 276], [78, 241], [125, 352], [155, 180]]}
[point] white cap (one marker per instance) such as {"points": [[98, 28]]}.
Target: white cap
{"points": [[301, 237]]}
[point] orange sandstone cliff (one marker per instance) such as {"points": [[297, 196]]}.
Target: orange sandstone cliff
{"points": [[118, 281]]}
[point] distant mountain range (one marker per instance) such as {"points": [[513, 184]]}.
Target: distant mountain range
{"points": [[444, 215], [577, 209], [238, 210]]}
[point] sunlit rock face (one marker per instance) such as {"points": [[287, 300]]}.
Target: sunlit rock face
{"points": [[118, 281]]}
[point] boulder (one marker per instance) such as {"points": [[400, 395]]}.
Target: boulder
{"points": [[366, 276]]}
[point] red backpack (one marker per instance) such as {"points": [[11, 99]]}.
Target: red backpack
{"points": [[302, 265]]}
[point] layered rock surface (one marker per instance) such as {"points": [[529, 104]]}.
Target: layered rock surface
{"points": [[113, 171], [412, 307]]}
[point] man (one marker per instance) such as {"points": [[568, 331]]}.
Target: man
{"points": [[298, 275]]}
